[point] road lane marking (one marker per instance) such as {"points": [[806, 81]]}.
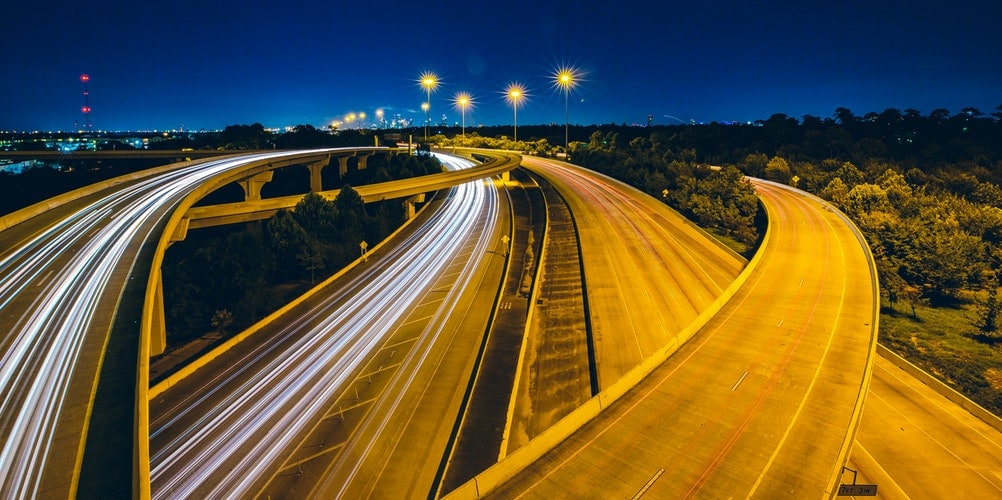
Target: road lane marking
{"points": [[740, 379], [45, 278], [648, 484]]}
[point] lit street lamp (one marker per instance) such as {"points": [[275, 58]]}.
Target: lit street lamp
{"points": [[565, 81], [429, 81], [514, 95], [463, 101]]}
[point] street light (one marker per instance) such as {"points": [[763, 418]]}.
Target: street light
{"points": [[565, 80], [463, 101], [514, 95], [429, 81]]}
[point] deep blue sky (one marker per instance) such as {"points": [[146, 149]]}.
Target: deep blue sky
{"points": [[210, 63]]}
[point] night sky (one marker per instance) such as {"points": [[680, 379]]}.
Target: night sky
{"points": [[212, 63]]}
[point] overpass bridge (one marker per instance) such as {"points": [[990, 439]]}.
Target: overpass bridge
{"points": [[81, 310]]}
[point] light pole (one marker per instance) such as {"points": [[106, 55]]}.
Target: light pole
{"points": [[565, 80], [514, 95], [463, 101], [429, 81]]}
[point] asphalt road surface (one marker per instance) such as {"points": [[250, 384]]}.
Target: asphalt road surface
{"points": [[762, 402], [648, 271], [915, 443]]}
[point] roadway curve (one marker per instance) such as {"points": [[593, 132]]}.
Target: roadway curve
{"points": [[322, 400], [63, 276], [78, 281], [648, 272], [914, 442], [763, 401]]}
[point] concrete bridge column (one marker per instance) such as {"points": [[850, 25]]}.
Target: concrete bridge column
{"points": [[505, 177], [316, 183], [252, 185], [409, 204], [158, 323], [343, 165], [363, 160]]}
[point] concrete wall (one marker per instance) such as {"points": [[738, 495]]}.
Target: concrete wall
{"points": [[943, 389]]}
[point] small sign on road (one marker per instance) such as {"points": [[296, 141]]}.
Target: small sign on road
{"points": [[857, 490]]}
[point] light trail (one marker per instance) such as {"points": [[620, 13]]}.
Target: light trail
{"points": [[241, 428], [50, 289]]}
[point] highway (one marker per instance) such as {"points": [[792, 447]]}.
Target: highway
{"points": [[648, 271], [915, 443], [762, 402], [62, 276], [321, 402], [625, 239]]}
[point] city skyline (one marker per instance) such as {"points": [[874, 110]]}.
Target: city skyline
{"points": [[207, 66]]}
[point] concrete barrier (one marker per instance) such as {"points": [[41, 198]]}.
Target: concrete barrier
{"points": [[940, 387]]}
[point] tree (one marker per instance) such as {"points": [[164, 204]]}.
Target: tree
{"points": [[316, 215], [988, 314], [286, 240], [221, 320], [778, 170], [843, 116], [836, 192]]}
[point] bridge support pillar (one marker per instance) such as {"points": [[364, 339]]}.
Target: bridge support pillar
{"points": [[316, 183], [158, 323], [363, 160], [506, 177], [409, 204], [343, 165], [252, 185]]}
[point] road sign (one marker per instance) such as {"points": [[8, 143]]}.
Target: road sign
{"points": [[857, 490]]}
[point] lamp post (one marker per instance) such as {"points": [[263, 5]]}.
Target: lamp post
{"points": [[514, 95], [429, 81], [565, 81], [463, 101]]}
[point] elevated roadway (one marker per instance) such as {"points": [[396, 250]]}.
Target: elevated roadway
{"points": [[763, 401], [347, 393], [79, 299]]}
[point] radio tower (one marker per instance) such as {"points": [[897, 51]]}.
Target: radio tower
{"points": [[85, 109]]}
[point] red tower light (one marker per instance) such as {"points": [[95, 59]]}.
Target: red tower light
{"points": [[85, 109], [85, 78]]}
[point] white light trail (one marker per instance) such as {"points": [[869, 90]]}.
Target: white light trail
{"points": [[257, 417], [50, 288]]}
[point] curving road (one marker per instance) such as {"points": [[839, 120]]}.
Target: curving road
{"points": [[763, 401], [320, 406], [648, 271], [913, 442], [62, 277]]}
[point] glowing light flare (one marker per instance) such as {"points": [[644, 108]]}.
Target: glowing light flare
{"points": [[463, 101], [515, 93], [565, 79], [429, 81]]}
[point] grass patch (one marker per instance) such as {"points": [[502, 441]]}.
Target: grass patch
{"points": [[944, 342]]}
